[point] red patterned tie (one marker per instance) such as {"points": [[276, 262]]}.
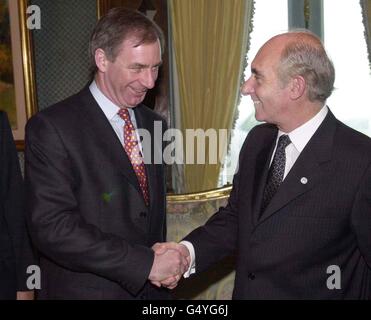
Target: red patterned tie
{"points": [[132, 149]]}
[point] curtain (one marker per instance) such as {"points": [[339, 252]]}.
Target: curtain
{"points": [[366, 10], [209, 39]]}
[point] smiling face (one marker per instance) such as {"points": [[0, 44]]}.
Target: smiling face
{"points": [[270, 96], [126, 80]]}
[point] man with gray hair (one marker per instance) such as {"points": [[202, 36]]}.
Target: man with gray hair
{"points": [[299, 214], [95, 207]]}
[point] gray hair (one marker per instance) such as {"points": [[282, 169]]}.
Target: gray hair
{"points": [[306, 56]]}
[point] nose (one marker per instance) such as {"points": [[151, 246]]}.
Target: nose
{"points": [[247, 87], [149, 78]]}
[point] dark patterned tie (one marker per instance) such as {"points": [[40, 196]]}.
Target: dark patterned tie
{"points": [[276, 171], [132, 149]]}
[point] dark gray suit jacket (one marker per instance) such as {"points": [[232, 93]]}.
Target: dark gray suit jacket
{"points": [[285, 252], [15, 248], [87, 215]]}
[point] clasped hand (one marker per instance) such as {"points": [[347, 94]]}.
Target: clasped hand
{"points": [[171, 261]]}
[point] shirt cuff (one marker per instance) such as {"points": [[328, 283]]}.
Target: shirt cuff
{"points": [[192, 265]]}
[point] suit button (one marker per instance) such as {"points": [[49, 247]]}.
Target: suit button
{"points": [[251, 276], [143, 214]]}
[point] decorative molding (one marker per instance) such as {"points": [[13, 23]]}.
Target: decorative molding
{"points": [[28, 62], [208, 195]]}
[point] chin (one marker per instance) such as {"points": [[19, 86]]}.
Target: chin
{"points": [[258, 117], [136, 101], [132, 103]]}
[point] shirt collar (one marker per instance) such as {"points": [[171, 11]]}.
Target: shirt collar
{"points": [[301, 135], [108, 107]]}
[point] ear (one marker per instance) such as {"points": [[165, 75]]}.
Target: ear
{"points": [[101, 60], [297, 87]]}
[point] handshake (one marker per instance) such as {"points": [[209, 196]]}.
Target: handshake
{"points": [[171, 261]]}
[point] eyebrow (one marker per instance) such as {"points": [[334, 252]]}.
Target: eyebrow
{"points": [[255, 71], [143, 66]]}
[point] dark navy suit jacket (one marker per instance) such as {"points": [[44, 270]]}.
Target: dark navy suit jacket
{"points": [[310, 224], [86, 214]]}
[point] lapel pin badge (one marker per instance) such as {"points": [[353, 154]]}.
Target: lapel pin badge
{"points": [[304, 180]]}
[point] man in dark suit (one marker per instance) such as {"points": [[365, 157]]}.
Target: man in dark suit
{"points": [[299, 213], [96, 194], [16, 254]]}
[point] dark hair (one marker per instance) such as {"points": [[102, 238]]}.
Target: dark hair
{"points": [[118, 25]]}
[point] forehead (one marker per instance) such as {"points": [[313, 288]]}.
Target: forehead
{"points": [[132, 47], [133, 42], [268, 55]]}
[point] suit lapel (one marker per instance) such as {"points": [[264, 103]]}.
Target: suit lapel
{"points": [[148, 146], [302, 177], [308, 168], [105, 137], [261, 170]]}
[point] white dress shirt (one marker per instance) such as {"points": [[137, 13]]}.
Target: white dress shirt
{"points": [[299, 139], [110, 110]]}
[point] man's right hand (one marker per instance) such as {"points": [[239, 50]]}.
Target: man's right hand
{"points": [[171, 261]]}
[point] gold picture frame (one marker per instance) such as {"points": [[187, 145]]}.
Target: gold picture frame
{"points": [[20, 102]]}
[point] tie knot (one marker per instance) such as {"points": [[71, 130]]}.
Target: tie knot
{"points": [[124, 114], [283, 141]]}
